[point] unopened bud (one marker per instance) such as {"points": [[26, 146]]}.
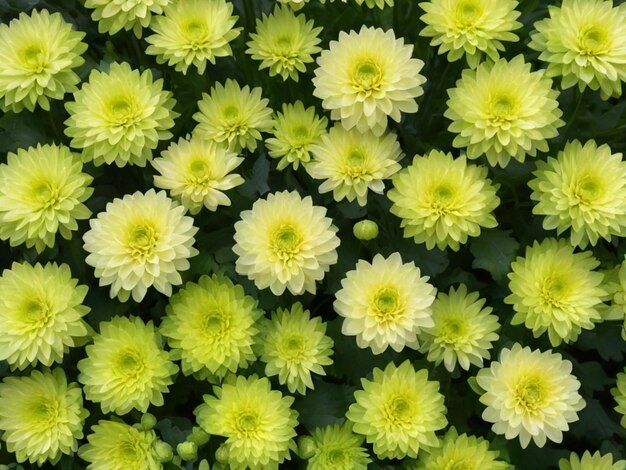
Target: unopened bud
{"points": [[306, 447], [187, 450], [365, 230]]}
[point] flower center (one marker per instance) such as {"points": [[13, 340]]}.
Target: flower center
{"points": [[356, 160], [399, 410], [336, 457], [37, 312], [293, 347], [46, 194], [129, 362], [247, 423], [285, 45], [143, 240], [301, 132], [132, 450], [286, 242], [467, 13], [215, 322], [195, 32], [46, 412], [451, 330], [530, 393], [588, 189], [231, 112], [592, 41], [554, 291], [443, 197], [34, 58], [463, 465], [122, 112], [367, 76], [386, 305], [502, 108]]}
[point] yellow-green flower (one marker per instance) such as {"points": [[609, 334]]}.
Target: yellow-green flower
{"points": [[41, 416], [443, 200], [351, 163], [398, 411], [588, 461], [335, 447], [42, 191], [114, 15], [38, 55], [503, 110], [619, 393], [120, 116], [192, 32], [294, 346], [126, 367]]}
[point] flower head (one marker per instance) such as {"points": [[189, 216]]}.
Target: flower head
{"points": [[114, 15], [588, 461], [336, 447], [619, 393]]}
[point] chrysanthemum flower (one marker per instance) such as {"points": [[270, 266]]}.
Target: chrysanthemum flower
{"points": [[41, 416], [470, 28], [210, 326], [443, 200], [258, 423], [198, 172], [114, 15], [284, 43], [126, 367], [285, 242], [141, 240], [351, 163], [294, 346], [398, 411], [295, 131], [42, 190], [365, 77], [385, 303], [192, 32], [583, 189], [556, 290], [503, 110], [530, 395], [588, 461], [41, 314], [120, 116], [336, 447], [584, 42], [38, 55], [619, 393], [463, 332], [233, 116]]}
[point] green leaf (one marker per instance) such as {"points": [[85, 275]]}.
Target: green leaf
{"points": [[494, 251]]}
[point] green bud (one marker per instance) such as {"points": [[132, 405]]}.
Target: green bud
{"points": [[306, 447], [204, 465], [198, 436], [163, 451], [187, 450], [221, 454], [148, 421], [365, 230]]}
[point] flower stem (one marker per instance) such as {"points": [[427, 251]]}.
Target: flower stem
{"points": [[578, 99]]}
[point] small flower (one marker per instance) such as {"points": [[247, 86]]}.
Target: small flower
{"points": [[126, 367], [41, 314], [285, 242], [120, 116], [114, 15], [234, 116], [41, 416], [443, 200], [38, 55], [351, 163], [141, 240], [503, 110], [366, 77], [619, 393], [192, 32], [588, 461], [530, 395], [42, 191], [336, 447]]}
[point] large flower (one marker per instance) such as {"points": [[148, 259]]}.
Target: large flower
{"points": [[334, 447], [619, 393], [589, 461], [442, 200], [365, 77], [141, 240], [120, 116], [114, 15], [503, 110], [530, 395], [285, 242], [38, 55], [42, 191]]}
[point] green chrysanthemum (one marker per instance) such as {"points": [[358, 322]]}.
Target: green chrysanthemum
{"points": [[334, 447], [503, 110], [42, 191], [294, 347], [443, 200], [41, 416], [588, 461], [120, 116], [211, 326], [126, 367], [619, 393], [192, 32], [38, 55], [114, 15], [41, 314]]}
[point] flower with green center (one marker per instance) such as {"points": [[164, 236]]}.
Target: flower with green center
{"points": [[584, 42], [398, 411], [294, 346], [139, 241], [211, 327], [503, 110], [257, 422], [233, 116], [120, 116], [464, 330], [285, 242], [42, 191], [556, 290], [530, 395], [351, 163], [336, 447], [41, 416], [198, 172], [284, 43], [619, 393], [470, 28], [443, 200], [366, 77], [38, 55], [588, 461], [192, 32], [41, 314], [114, 15], [126, 367], [583, 190]]}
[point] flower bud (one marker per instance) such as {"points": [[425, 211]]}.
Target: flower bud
{"points": [[163, 451], [187, 450], [306, 447], [365, 230], [148, 421]]}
